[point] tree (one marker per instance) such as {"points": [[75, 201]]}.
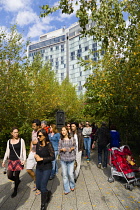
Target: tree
{"points": [[28, 90], [69, 102], [105, 18], [113, 88]]}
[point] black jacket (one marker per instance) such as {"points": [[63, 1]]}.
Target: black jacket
{"points": [[103, 136]]}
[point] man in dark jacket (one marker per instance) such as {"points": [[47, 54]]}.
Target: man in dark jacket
{"points": [[103, 137]]}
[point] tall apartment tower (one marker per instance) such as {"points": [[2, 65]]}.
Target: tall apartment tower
{"points": [[62, 48]]}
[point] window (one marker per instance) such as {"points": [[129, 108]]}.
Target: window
{"points": [[79, 46], [95, 54], [80, 86], [46, 58], [51, 49], [94, 59], [102, 52], [86, 57], [80, 73], [57, 47], [50, 56], [79, 52], [86, 48], [62, 60], [62, 48], [94, 47], [62, 76], [72, 55]]}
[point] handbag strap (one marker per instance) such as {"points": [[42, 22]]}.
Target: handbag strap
{"points": [[15, 152]]}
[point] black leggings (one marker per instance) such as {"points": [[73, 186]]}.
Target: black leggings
{"points": [[14, 176]]}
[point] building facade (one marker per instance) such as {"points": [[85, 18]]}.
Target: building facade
{"points": [[62, 48]]}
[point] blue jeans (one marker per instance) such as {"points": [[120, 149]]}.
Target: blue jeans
{"points": [[105, 151], [54, 165], [87, 145], [42, 178], [68, 175]]}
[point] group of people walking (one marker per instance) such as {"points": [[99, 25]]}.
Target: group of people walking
{"points": [[45, 146]]}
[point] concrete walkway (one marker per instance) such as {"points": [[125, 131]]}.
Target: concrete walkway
{"points": [[93, 191]]}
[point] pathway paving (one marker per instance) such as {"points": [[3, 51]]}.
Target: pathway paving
{"points": [[93, 192]]}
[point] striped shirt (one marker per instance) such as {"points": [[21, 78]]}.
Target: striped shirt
{"points": [[67, 144]]}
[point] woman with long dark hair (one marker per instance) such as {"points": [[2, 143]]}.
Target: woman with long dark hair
{"points": [[54, 137], [44, 157], [16, 155], [67, 151]]}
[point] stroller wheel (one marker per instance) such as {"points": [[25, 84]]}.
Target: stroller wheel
{"points": [[136, 183], [111, 179], [129, 186]]}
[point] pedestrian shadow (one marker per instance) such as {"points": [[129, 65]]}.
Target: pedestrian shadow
{"points": [[8, 203], [53, 184]]}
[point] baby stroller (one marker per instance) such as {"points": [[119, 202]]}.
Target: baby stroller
{"points": [[120, 166]]}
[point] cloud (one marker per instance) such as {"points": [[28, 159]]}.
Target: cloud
{"points": [[15, 5], [26, 17], [75, 7], [40, 27], [4, 29]]}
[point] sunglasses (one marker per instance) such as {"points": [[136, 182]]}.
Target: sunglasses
{"points": [[40, 136]]}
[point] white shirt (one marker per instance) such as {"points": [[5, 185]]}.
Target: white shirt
{"points": [[76, 139]]}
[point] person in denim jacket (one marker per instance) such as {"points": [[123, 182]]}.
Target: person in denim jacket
{"points": [[54, 138]]}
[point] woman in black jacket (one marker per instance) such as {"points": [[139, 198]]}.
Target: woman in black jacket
{"points": [[44, 157]]}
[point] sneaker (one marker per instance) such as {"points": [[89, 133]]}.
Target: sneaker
{"points": [[88, 160], [99, 165], [51, 177], [65, 193]]}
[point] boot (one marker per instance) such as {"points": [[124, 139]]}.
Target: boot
{"points": [[49, 194], [17, 182], [43, 200], [14, 193]]}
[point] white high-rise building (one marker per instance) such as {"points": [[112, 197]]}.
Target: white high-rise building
{"points": [[62, 48]]}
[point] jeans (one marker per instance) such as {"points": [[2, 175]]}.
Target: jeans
{"points": [[42, 177], [68, 175], [87, 145], [54, 165], [100, 150]]}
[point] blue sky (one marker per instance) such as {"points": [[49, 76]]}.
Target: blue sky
{"points": [[25, 13]]}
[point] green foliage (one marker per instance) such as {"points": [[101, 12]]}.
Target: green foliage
{"points": [[113, 89], [28, 90], [69, 102]]}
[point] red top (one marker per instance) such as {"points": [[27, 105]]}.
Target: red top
{"points": [[47, 129]]}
